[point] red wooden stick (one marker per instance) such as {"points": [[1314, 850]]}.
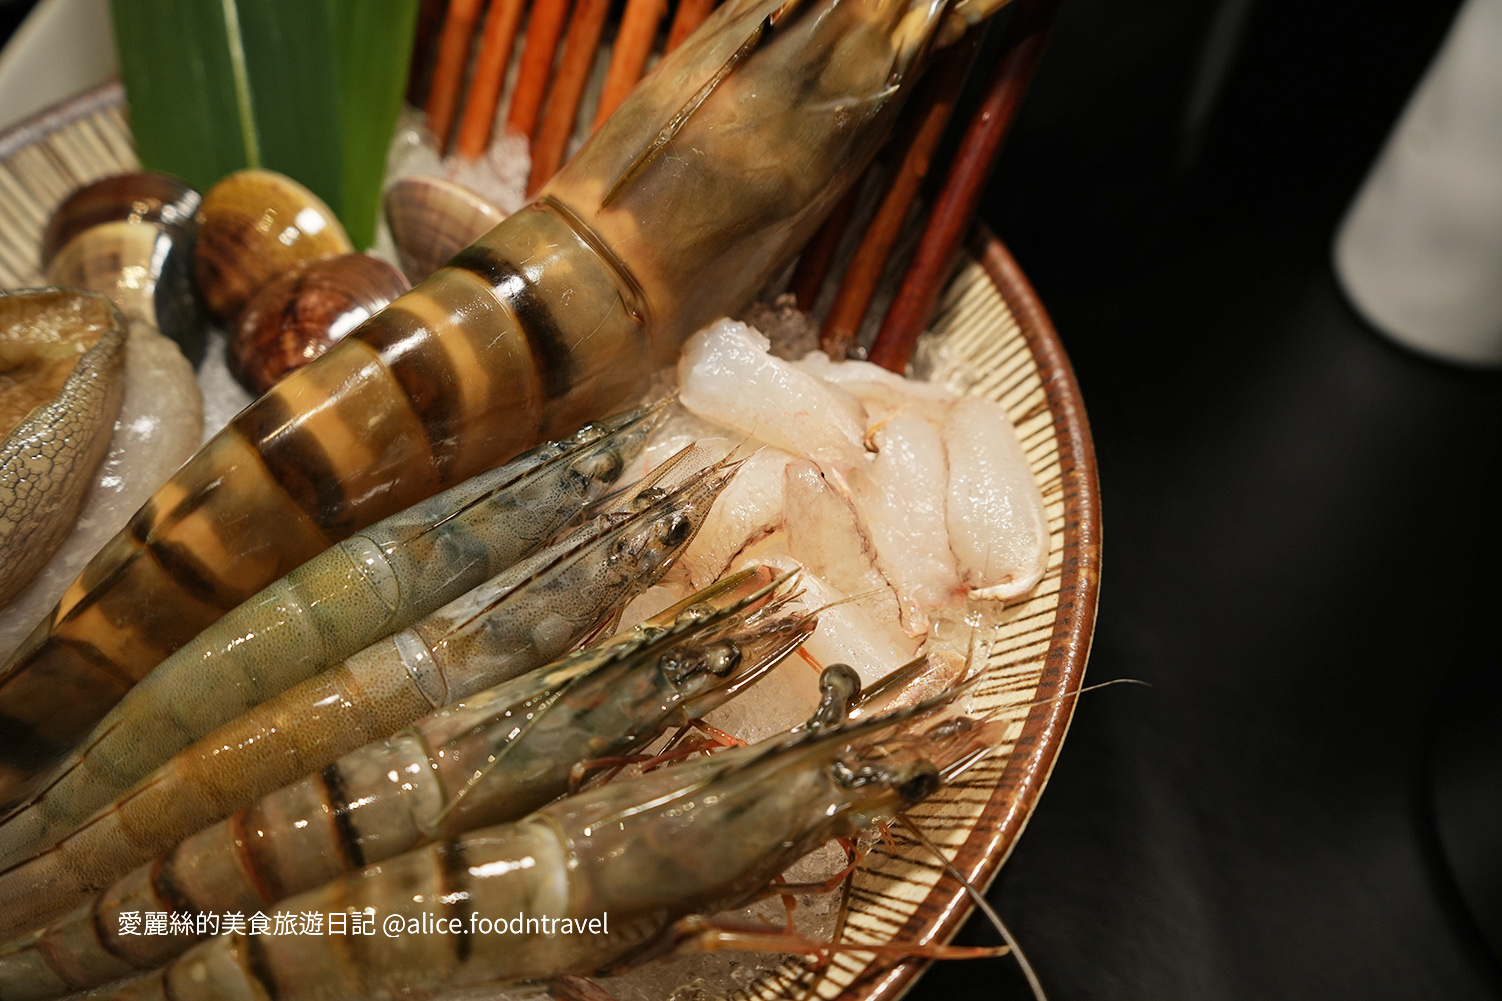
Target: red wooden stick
{"points": [[568, 86], [543, 32], [818, 253], [429, 17], [496, 44], [951, 215], [448, 73], [633, 43], [924, 128], [690, 14]]}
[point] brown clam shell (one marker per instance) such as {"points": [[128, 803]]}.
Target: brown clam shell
{"points": [[252, 226], [145, 196], [300, 314], [145, 267], [432, 219]]}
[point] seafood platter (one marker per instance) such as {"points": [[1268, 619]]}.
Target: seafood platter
{"points": [[536, 603]]}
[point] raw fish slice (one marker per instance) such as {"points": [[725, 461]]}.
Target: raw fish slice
{"points": [[997, 527], [902, 500], [727, 376]]}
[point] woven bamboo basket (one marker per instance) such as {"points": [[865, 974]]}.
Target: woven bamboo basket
{"points": [[990, 336]]}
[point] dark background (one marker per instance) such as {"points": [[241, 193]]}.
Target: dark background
{"points": [[1301, 538], [1301, 543]]}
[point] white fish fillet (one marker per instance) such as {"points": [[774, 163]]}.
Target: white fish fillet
{"points": [[903, 500]]}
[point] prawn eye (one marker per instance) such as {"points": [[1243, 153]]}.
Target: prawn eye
{"points": [[620, 552], [839, 681], [680, 665], [722, 658], [677, 530], [601, 468], [648, 497], [920, 785]]}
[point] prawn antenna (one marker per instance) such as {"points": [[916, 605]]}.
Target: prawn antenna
{"points": [[981, 902], [1061, 696]]}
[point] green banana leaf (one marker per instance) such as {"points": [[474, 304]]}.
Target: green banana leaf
{"points": [[311, 88]]}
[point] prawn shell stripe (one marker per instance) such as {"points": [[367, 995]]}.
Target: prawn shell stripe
{"points": [[344, 825], [553, 358]]}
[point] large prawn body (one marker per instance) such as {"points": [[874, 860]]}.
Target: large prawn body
{"points": [[685, 202]]}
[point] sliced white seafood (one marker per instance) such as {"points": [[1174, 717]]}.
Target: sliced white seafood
{"points": [[750, 507], [727, 376], [825, 536], [997, 526], [902, 498], [880, 392]]}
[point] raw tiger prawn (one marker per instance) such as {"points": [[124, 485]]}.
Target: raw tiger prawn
{"points": [[697, 190], [506, 627], [646, 852], [495, 757], [378, 581]]}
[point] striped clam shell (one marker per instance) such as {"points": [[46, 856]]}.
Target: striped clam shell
{"points": [[432, 219]]}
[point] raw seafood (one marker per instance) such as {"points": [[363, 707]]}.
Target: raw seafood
{"points": [[158, 426], [61, 356]]}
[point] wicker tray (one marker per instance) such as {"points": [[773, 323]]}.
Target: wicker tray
{"points": [[991, 336]]}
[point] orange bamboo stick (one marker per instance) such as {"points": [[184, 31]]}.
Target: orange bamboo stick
{"points": [[691, 14], [633, 43], [543, 31], [568, 86], [448, 74], [915, 145], [490, 75]]}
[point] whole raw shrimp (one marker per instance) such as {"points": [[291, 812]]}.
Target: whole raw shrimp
{"points": [[508, 626], [378, 581], [702, 185], [495, 757], [622, 864]]}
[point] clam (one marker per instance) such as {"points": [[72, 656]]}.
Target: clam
{"points": [[131, 237], [432, 219], [145, 196], [301, 313], [62, 352], [252, 226]]}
